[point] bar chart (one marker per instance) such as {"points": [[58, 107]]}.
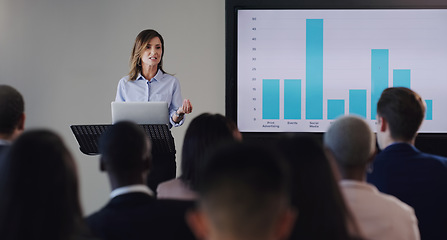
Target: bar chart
{"points": [[301, 69]]}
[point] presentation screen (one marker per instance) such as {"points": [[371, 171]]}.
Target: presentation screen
{"points": [[297, 70]]}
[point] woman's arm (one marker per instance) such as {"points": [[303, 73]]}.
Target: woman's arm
{"points": [[186, 108]]}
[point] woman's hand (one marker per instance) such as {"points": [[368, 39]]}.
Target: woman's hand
{"points": [[185, 108], [181, 111]]}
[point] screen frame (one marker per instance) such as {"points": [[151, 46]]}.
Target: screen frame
{"points": [[424, 140]]}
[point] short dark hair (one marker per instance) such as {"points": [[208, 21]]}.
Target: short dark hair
{"points": [[39, 187], [403, 109], [204, 133], [11, 108], [123, 146], [244, 188]]}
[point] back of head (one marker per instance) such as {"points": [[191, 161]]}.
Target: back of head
{"points": [[243, 191], [323, 213], [308, 164], [124, 148], [38, 182], [404, 111], [351, 141], [11, 109], [204, 133]]}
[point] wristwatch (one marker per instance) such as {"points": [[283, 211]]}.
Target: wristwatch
{"points": [[179, 115]]}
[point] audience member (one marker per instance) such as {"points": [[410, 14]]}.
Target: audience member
{"points": [[243, 195], [133, 212], [39, 190], [352, 145], [203, 134], [323, 213], [418, 179], [12, 116]]}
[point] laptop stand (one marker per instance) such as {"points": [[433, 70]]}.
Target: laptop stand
{"points": [[163, 148], [88, 137]]}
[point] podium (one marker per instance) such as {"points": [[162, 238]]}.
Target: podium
{"points": [[163, 148]]}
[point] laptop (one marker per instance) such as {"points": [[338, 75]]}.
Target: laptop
{"points": [[140, 112]]}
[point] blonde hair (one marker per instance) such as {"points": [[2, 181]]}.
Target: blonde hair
{"points": [[141, 41]]}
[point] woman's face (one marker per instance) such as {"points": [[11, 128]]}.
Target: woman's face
{"points": [[151, 55]]}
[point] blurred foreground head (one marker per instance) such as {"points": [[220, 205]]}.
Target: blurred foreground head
{"points": [[244, 194], [39, 189], [205, 132], [323, 213]]}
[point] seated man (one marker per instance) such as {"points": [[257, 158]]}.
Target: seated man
{"points": [[133, 212], [12, 116], [351, 143], [243, 194], [416, 178]]}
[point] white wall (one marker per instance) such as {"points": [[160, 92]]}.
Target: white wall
{"points": [[66, 58]]}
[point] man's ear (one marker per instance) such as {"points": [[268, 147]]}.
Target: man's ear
{"points": [[21, 125], [147, 157], [102, 164], [285, 224], [147, 163], [198, 223], [383, 124]]}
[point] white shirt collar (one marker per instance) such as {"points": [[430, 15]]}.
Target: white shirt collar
{"points": [[347, 183], [158, 76], [4, 142], [131, 189]]}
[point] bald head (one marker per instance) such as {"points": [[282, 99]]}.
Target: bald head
{"points": [[351, 141]]}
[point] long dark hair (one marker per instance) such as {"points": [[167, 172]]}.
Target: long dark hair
{"points": [[205, 132], [39, 189], [322, 211]]}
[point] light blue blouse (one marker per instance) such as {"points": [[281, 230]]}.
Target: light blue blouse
{"points": [[161, 88]]}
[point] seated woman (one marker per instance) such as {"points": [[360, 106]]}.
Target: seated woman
{"points": [[322, 211], [39, 190], [204, 133]]}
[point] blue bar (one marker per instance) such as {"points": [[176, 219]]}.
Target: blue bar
{"points": [[292, 99], [314, 69], [429, 110], [335, 108], [401, 78], [379, 76], [270, 99], [357, 102]]}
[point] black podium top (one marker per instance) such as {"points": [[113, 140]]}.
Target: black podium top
{"points": [[88, 136]]}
